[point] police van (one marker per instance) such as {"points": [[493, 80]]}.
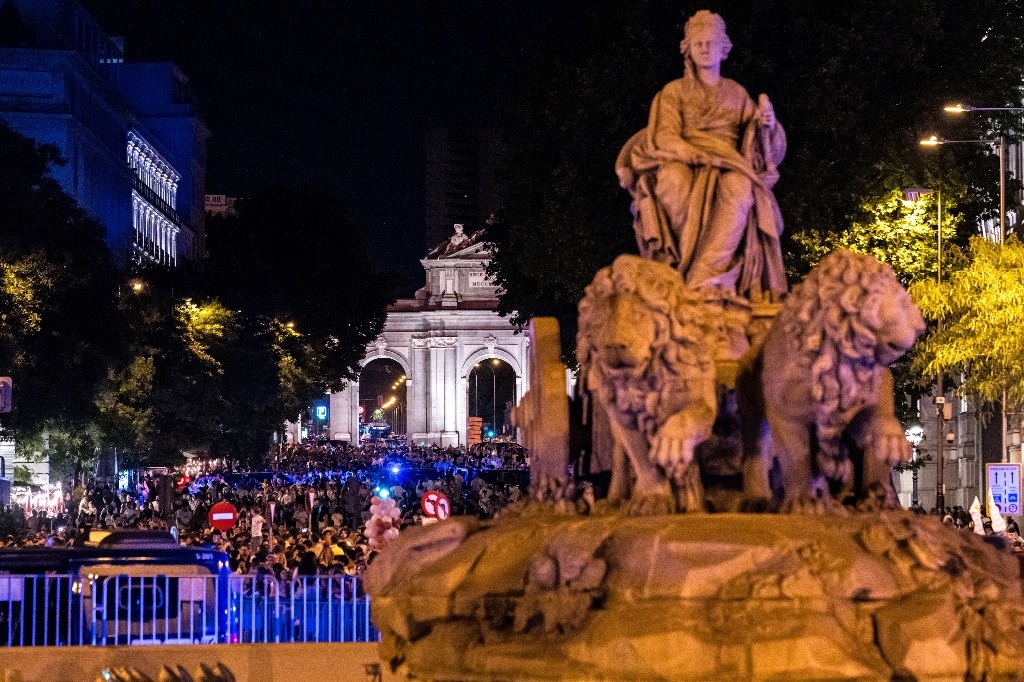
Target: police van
{"points": [[131, 587]]}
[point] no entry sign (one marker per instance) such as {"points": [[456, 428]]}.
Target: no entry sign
{"points": [[435, 505], [223, 516]]}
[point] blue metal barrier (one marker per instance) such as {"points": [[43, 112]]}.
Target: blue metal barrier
{"points": [[99, 610]]}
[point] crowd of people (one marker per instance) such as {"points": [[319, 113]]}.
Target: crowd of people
{"points": [[304, 513]]}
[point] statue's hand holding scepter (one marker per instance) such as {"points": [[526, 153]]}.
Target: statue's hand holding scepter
{"points": [[765, 112], [766, 124]]}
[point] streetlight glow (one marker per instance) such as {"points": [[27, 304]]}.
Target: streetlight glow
{"points": [[963, 108], [1000, 145]]}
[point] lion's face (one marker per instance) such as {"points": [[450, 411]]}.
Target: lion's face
{"points": [[626, 337], [901, 324]]}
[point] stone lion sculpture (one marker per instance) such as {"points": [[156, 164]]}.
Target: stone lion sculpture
{"points": [[645, 353], [826, 384]]}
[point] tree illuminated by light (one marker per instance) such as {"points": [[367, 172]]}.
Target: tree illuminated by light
{"points": [[980, 308], [900, 233]]}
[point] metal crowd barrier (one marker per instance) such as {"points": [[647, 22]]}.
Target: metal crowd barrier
{"points": [[95, 610]]}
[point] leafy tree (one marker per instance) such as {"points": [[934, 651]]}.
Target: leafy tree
{"points": [[126, 413], [329, 290], [70, 452], [188, 386], [979, 310], [59, 323], [898, 232]]}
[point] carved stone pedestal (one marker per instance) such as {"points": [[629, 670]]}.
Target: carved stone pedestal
{"points": [[698, 597]]}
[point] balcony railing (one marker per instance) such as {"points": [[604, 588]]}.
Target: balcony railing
{"points": [[152, 197]]}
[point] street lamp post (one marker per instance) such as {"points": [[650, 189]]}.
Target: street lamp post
{"points": [[913, 194], [962, 108], [914, 434], [1000, 143]]}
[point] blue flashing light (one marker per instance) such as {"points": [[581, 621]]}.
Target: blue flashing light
{"points": [[490, 434], [395, 469], [383, 493]]}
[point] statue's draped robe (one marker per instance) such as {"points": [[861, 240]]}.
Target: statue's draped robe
{"points": [[719, 121]]}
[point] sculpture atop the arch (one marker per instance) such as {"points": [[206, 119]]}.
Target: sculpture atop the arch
{"points": [[701, 174]]}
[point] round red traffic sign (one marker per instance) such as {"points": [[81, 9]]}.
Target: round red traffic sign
{"points": [[223, 516], [435, 505], [428, 503], [444, 508]]}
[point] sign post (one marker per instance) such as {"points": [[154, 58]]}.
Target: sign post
{"points": [[1003, 482]]}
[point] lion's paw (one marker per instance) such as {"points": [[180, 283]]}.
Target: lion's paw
{"points": [[813, 505]]}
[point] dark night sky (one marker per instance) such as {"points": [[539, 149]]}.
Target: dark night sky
{"points": [[339, 93]]}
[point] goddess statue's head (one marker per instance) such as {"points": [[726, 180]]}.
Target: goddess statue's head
{"points": [[705, 40]]}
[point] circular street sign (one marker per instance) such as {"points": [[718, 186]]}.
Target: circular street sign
{"points": [[444, 508], [223, 516], [428, 503]]}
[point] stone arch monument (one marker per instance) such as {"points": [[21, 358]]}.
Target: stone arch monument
{"points": [[437, 337]]}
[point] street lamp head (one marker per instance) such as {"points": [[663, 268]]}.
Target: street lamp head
{"points": [[931, 141], [962, 108], [915, 434], [913, 194]]}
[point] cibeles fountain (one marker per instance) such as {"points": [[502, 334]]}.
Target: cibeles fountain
{"points": [[751, 530]]}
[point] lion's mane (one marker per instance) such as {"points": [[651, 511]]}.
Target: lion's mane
{"points": [[681, 345], [832, 319]]}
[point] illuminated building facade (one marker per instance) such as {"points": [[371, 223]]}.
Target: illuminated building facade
{"points": [[134, 145]]}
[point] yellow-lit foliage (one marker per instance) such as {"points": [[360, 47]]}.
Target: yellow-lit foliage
{"points": [[125, 405], [204, 326], [293, 363], [25, 284], [980, 310], [900, 233]]}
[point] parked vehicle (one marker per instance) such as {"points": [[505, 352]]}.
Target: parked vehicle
{"points": [[130, 588]]}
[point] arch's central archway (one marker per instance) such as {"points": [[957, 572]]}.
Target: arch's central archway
{"points": [[491, 395], [383, 407]]}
